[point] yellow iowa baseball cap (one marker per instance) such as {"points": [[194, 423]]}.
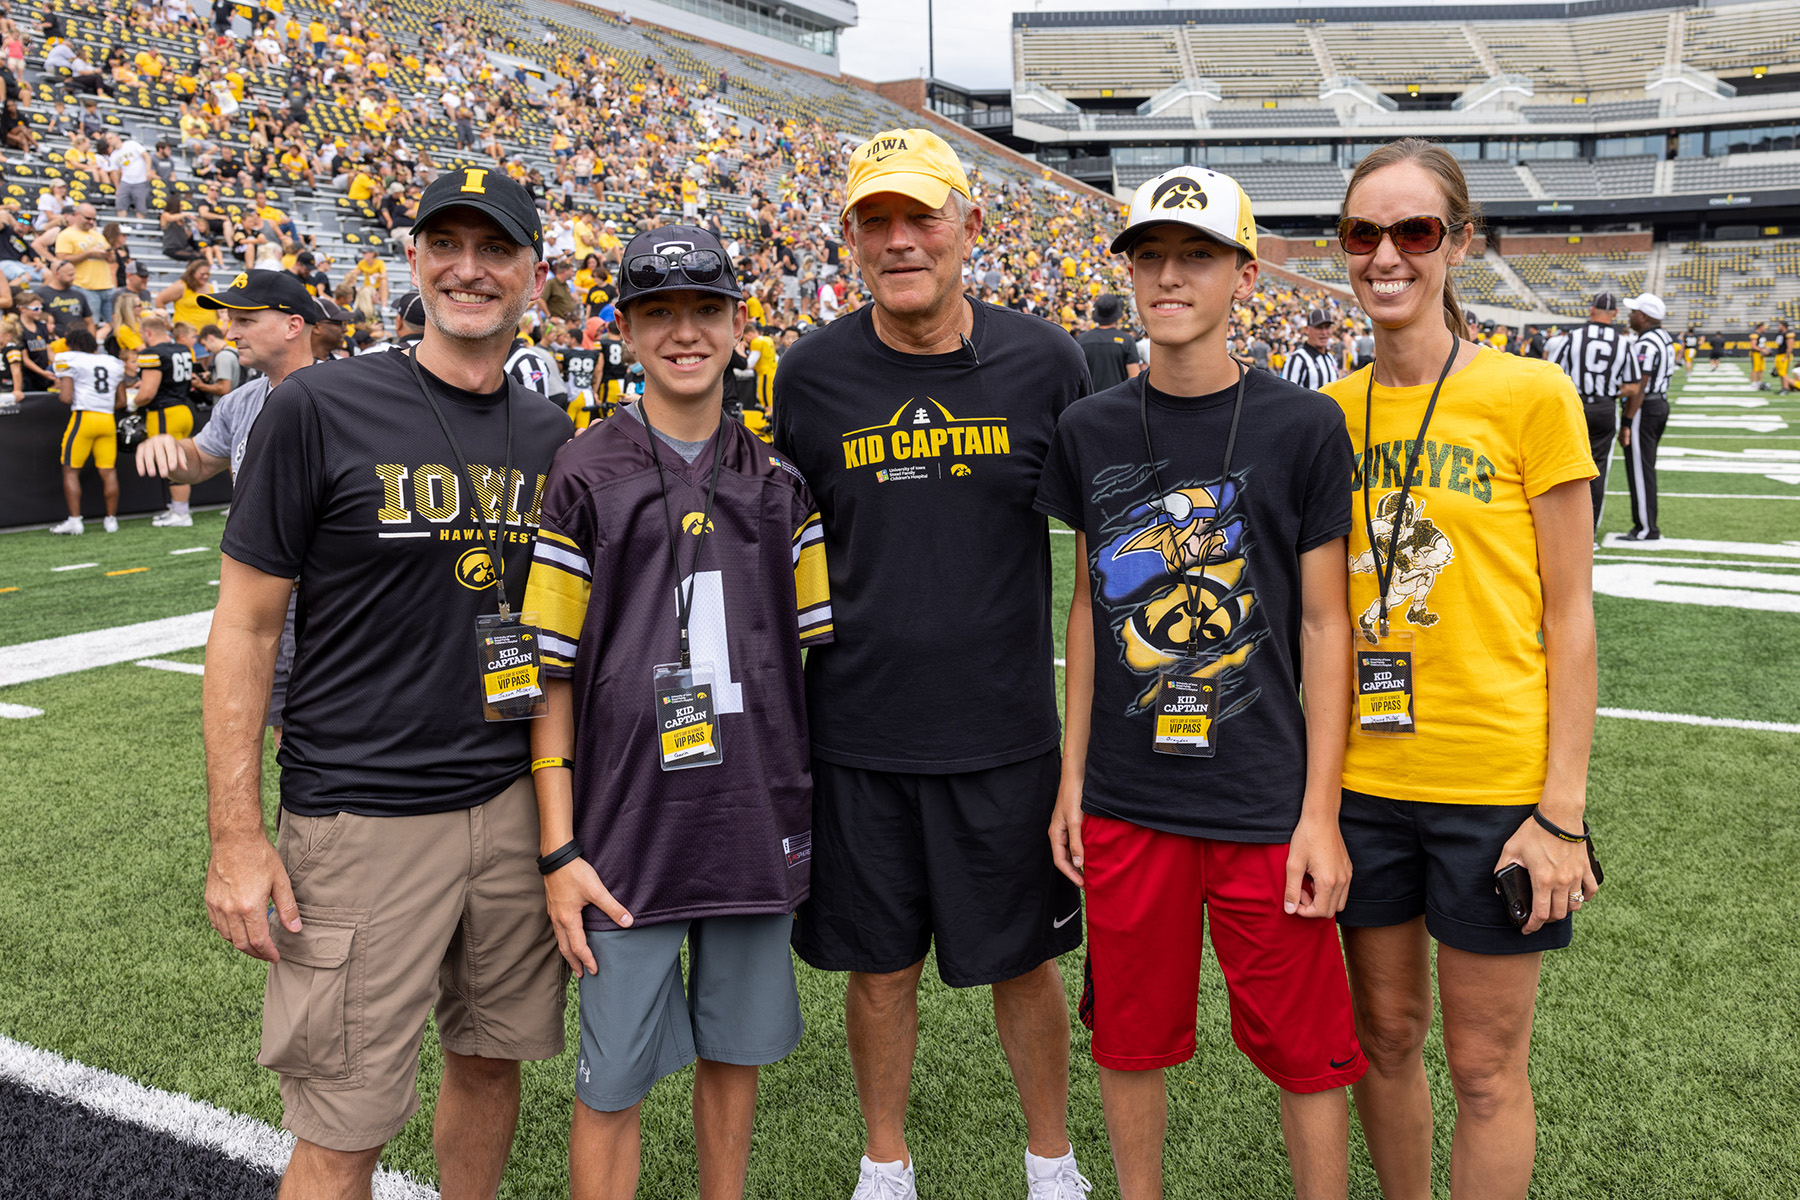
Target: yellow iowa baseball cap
{"points": [[1204, 200], [912, 162]]}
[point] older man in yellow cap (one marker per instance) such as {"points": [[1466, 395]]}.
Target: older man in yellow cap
{"points": [[921, 422]]}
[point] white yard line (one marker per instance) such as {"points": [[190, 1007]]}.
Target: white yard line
{"points": [[1632, 714], [51, 657], [19, 712], [163, 664], [201, 1125], [1613, 541], [75, 567], [1706, 496], [194, 550]]}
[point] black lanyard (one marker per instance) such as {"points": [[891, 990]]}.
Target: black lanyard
{"points": [[1384, 564], [493, 540], [1195, 590], [684, 604]]}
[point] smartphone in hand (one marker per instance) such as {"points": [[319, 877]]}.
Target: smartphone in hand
{"points": [[1513, 882]]}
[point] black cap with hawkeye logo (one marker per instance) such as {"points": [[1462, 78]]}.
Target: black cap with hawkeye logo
{"points": [[676, 258], [493, 192], [279, 290]]}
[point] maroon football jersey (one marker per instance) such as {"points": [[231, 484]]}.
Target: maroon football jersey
{"points": [[734, 838]]}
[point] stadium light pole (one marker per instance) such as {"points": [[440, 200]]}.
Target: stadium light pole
{"points": [[930, 51]]}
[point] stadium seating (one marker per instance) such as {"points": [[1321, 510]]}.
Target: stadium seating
{"points": [[1722, 175], [1288, 181], [1608, 110], [1567, 282], [1490, 179], [1582, 178], [1126, 61], [1255, 61], [1431, 57], [1735, 282], [1736, 39], [1253, 118]]}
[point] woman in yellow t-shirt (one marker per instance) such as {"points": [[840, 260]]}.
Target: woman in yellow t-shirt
{"points": [[185, 294], [1479, 510]]}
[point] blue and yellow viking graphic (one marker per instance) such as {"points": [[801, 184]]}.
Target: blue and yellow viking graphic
{"points": [[1149, 575]]}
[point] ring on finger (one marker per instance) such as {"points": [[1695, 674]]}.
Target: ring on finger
{"points": [[1575, 897]]}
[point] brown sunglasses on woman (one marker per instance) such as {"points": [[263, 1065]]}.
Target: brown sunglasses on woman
{"points": [[1411, 235]]}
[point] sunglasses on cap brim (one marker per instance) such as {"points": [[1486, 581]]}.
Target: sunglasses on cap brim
{"points": [[645, 271], [1410, 235]]}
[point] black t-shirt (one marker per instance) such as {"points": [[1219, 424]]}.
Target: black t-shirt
{"points": [[176, 363], [1109, 351], [349, 484], [37, 345], [1286, 496], [65, 307], [924, 467]]}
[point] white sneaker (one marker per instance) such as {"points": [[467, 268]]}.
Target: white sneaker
{"points": [[1067, 1184], [880, 1181], [72, 525], [172, 520], [111, 524]]}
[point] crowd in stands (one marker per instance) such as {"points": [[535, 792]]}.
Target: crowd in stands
{"points": [[373, 99]]}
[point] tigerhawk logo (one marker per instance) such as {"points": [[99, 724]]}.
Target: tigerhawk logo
{"points": [[691, 523], [1178, 194], [475, 569], [882, 148]]}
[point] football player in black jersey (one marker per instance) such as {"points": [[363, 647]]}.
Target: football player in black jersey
{"points": [[165, 391], [614, 359], [579, 368]]}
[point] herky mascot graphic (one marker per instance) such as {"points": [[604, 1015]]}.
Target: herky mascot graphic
{"points": [[1421, 552], [1148, 564]]}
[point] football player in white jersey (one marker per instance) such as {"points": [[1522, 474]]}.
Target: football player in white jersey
{"points": [[94, 386]]}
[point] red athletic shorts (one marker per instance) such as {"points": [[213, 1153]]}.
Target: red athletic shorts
{"points": [[1147, 892]]}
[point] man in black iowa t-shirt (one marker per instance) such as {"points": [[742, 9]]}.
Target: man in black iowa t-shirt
{"points": [[921, 423], [403, 874]]}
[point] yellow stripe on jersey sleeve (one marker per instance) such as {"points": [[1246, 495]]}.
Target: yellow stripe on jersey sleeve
{"points": [[149, 362], [559, 539], [559, 599], [812, 584]]}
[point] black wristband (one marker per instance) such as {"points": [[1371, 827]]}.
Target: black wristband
{"points": [[559, 858], [1551, 827]]}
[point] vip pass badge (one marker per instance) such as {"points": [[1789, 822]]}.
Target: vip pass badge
{"points": [[507, 654], [506, 643], [1385, 660], [1186, 707], [1384, 686], [1187, 691], [687, 723]]}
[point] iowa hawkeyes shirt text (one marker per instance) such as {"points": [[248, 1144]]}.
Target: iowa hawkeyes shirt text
{"points": [[349, 485]]}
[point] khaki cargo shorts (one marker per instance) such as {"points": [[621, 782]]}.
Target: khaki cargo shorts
{"points": [[398, 915]]}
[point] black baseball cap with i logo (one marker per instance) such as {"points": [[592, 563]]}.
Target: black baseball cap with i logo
{"points": [[493, 192]]}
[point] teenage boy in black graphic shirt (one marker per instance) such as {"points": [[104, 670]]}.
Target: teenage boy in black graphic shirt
{"points": [[1211, 516]]}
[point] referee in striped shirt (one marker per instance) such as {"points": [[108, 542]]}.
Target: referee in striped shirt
{"points": [[1648, 415], [1598, 358], [1311, 365]]}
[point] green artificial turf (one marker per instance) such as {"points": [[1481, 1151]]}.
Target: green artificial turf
{"points": [[1664, 1055]]}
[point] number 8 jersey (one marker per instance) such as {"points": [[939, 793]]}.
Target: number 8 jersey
{"points": [[732, 838], [96, 376]]}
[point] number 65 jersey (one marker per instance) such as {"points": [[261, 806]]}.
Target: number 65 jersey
{"points": [[736, 837]]}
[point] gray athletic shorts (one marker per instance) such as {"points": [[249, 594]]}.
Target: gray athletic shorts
{"points": [[638, 1023]]}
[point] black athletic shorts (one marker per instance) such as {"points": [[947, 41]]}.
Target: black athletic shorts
{"points": [[1408, 858], [900, 859]]}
